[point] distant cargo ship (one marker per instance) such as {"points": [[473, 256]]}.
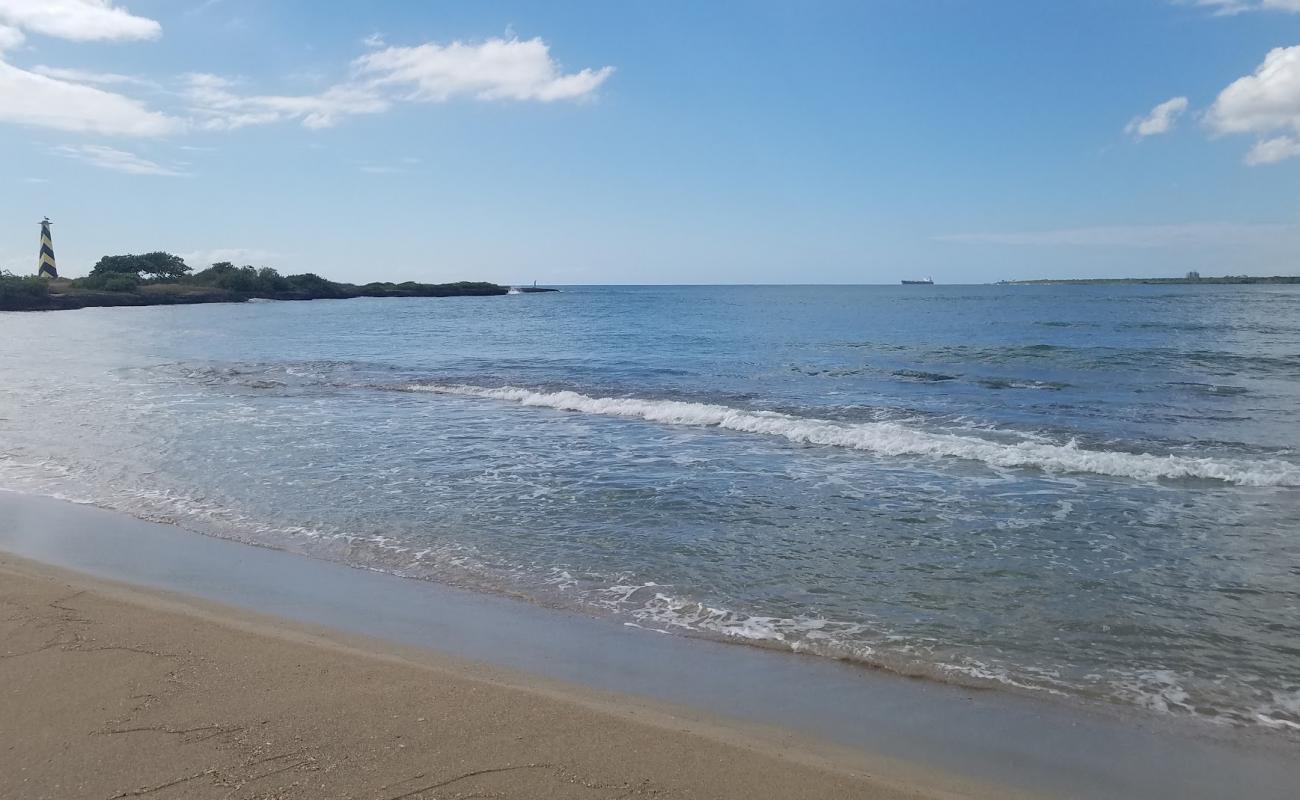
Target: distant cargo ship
{"points": [[926, 282]]}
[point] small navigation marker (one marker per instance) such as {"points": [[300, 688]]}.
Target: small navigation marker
{"points": [[45, 267]]}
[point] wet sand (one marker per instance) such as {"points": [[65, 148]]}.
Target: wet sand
{"points": [[349, 652], [113, 691]]}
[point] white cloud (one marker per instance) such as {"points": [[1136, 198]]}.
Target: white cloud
{"points": [[1183, 235], [78, 20], [49, 97], [75, 100], [497, 69], [10, 38], [27, 98], [1264, 103], [1161, 119], [1269, 151], [1225, 8], [114, 159]]}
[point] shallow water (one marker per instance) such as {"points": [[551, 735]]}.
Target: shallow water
{"points": [[1088, 491]]}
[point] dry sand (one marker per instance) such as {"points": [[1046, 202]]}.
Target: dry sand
{"points": [[111, 691]]}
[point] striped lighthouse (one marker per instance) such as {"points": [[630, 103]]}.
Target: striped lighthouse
{"points": [[45, 266]]}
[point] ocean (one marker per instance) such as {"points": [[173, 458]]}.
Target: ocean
{"points": [[1084, 492]]}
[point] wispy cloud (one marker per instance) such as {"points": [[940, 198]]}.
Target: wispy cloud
{"points": [[1161, 119], [235, 255], [87, 76], [1134, 236], [402, 165], [117, 160], [217, 106], [497, 69], [201, 7], [30, 99], [1229, 8]]}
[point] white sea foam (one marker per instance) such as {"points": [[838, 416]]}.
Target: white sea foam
{"points": [[894, 439], [654, 608], [1283, 712]]}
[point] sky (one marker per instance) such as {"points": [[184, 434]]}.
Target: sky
{"points": [[656, 142]]}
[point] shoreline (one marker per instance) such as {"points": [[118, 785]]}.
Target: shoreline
{"points": [[132, 691], [1038, 746]]}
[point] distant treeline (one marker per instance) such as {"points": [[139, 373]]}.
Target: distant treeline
{"points": [[162, 278]]}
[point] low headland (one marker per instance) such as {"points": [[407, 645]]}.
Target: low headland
{"points": [[161, 278], [1191, 279]]}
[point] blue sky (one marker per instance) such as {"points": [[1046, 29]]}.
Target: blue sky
{"points": [[657, 142]]}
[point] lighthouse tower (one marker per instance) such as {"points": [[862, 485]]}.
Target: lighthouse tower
{"points": [[45, 266]]}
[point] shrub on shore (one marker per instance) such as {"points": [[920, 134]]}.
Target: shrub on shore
{"points": [[244, 280], [109, 281], [413, 289], [18, 292], [266, 282]]}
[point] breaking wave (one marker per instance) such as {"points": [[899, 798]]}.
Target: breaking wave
{"points": [[893, 439]]}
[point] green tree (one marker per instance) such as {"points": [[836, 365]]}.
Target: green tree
{"points": [[116, 265], [163, 266], [157, 266], [271, 281]]}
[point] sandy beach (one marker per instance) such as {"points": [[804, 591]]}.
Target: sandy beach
{"points": [[112, 691]]}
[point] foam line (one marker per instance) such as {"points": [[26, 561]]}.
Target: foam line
{"points": [[893, 439]]}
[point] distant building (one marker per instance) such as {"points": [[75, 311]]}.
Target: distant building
{"points": [[1193, 276], [45, 267]]}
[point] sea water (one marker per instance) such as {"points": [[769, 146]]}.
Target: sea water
{"points": [[1089, 492]]}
